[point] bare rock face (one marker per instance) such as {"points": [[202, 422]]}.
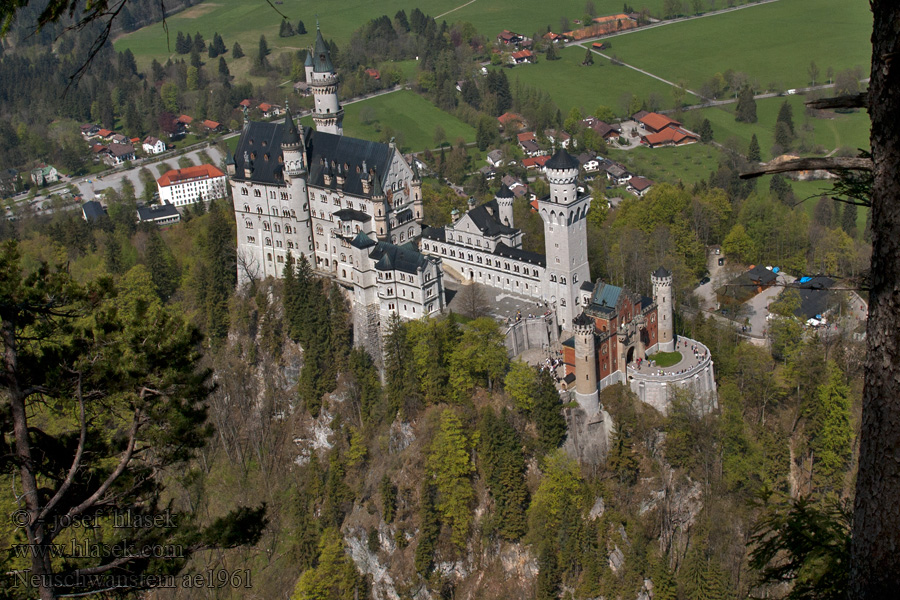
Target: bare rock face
{"points": [[383, 587], [588, 436], [402, 435]]}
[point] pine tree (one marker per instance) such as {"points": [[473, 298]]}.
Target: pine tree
{"points": [[848, 219], [223, 68], [219, 44], [549, 576], [552, 53], [237, 51], [786, 115], [621, 459], [401, 20], [503, 466], [746, 106], [286, 29], [335, 575], [301, 28], [753, 153], [588, 57], [262, 53], [429, 530], [706, 131], [449, 465], [162, 267], [547, 414]]}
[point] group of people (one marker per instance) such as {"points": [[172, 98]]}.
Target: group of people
{"points": [[698, 354], [551, 363]]}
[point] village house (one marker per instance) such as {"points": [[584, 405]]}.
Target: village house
{"points": [[373, 73], [91, 211], [617, 173], [180, 187], [116, 154], [161, 214], [510, 38], [487, 172], [495, 158], [270, 110], [554, 38], [589, 162], [44, 175], [212, 126], [520, 57], [511, 121], [639, 186], [745, 286], [152, 145], [605, 130], [535, 162], [104, 134], [664, 131], [302, 88], [184, 120], [530, 148], [89, 130], [558, 138]]}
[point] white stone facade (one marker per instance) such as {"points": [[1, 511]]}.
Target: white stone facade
{"points": [[180, 187]]}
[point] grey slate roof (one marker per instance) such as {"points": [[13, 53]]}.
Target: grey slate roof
{"points": [[391, 257], [260, 139], [349, 214], [521, 255], [362, 241], [505, 192], [815, 297], [434, 233], [488, 223], [321, 55], [157, 211], [562, 160], [92, 210], [662, 272]]}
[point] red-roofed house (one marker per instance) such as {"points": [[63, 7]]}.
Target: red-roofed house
{"points": [[670, 136], [513, 120], [247, 103], [526, 136], [270, 110], [535, 162], [153, 145], [554, 37], [373, 73], [104, 133], [180, 187], [655, 122], [212, 125], [522, 56], [185, 120]]}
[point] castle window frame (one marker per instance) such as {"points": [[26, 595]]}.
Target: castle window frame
{"points": [[265, 226], [268, 241], [257, 194], [244, 192]]}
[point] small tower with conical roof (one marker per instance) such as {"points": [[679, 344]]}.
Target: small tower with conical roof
{"points": [[415, 190], [328, 115], [585, 365], [505, 199], [665, 313], [292, 148], [565, 237], [380, 206]]}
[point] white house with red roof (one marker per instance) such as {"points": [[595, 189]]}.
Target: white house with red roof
{"points": [[180, 187], [152, 145]]}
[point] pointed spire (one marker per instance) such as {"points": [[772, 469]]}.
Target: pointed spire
{"points": [[229, 158], [377, 191], [291, 135], [415, 170], [322, 58]]}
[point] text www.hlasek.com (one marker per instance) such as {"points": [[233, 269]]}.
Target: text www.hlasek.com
{"points": [[85, 549]]}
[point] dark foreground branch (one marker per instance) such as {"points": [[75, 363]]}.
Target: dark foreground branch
{"points": [[834, 163], [860, 100]]}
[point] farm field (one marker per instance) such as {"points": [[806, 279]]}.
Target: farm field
{"points": [[245, 20], [840, 131], [572, 85], [773, 43], [690, 164], [410, 117]]}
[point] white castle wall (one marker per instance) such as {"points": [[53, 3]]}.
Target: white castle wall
{"points": [[656, 390]]}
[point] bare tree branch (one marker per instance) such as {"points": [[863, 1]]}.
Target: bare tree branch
{"points": [[832, 163], [70, 476], [860, 100]]}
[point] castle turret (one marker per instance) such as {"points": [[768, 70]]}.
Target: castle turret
{"points": [[292, 148], [379, 205], [308, 67], [665, 313], [415, 190], [505, 199], [585, 365], [328, 115], [565, 237], [229, 164]]}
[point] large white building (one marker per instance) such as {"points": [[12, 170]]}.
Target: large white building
{"points": [[351, 207], [180, 187]]}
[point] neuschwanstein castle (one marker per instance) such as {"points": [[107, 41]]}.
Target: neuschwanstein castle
{"points": [[354, 209]]}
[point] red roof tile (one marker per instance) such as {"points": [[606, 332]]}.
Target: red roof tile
{"points": [[657, 121], [537, 161], [181, 175]]}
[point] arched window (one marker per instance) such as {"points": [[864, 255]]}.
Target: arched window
{"points": [[269, 256], [259, 209], [409, 232], [246, 208], [249, 224], [266, 225], [268, 241], [277, 228], [257, 194], [244, 192]]}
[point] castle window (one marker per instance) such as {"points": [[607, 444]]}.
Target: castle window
{"points": [[268, 241], [562, 301], [562, 280], [278, 243], [251, 239], [281, 259], [257, 194], [249, 224], [288, 229], [259, 209], [290, 245], [244, 192], [266, 225], [269, 257], [277, 228]]}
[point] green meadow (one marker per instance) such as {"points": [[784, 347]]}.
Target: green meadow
{"points": [[690, 164], [773, 43], [837, 130], [411, 119], [572, 85]]}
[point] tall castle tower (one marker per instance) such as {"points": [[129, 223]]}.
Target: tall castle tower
{"points": [[662, 295], [505, 199], [327, 112], [585, 365], [565, 236]]}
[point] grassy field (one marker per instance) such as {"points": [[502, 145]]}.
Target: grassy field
{"points": [[245, 20], [773, 43], [840, 130], [666, 359], [411, 117], [689, 164], [571, 84]]}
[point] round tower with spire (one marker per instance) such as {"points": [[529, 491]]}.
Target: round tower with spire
{"points": [[328, 115], [665, 314], [505, 199], [585, 365], [380, 206], [415, 190], [292, 148]]}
